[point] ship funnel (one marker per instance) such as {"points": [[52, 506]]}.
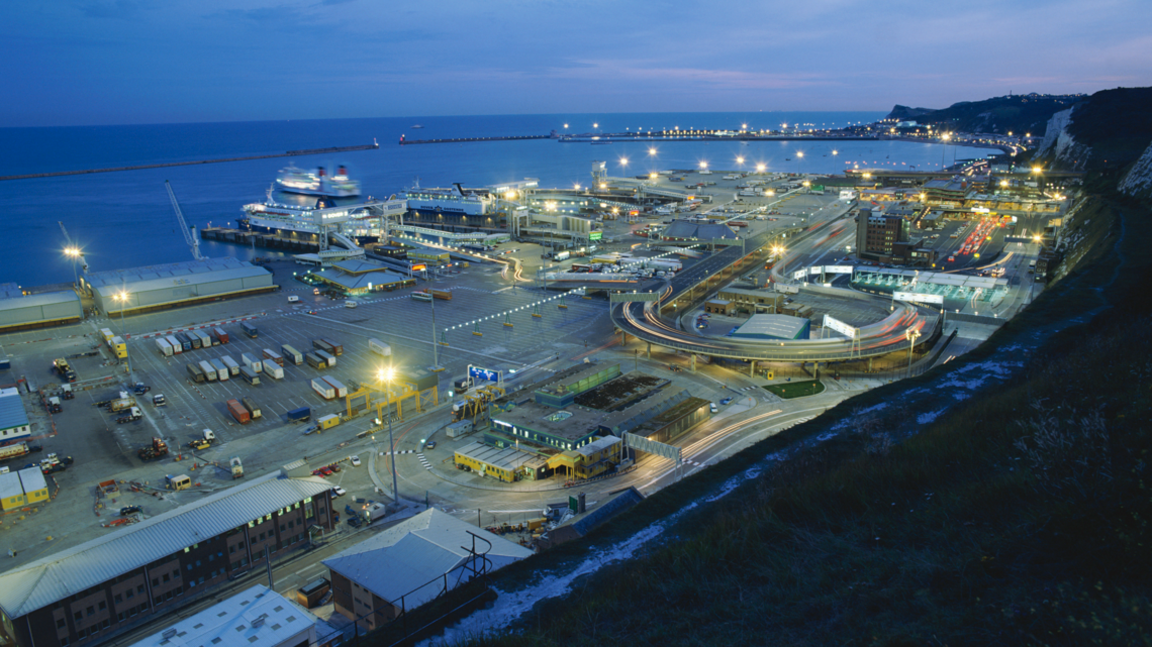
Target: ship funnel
{"points": [[320, 171]]}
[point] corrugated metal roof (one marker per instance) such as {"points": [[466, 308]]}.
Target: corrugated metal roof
{"points": [[117, 278], [148, 282], [69, 571], [44, 299], [229, 624], [10, 485], [775, 326], [32, 479], [413, 554], [12, 413]]}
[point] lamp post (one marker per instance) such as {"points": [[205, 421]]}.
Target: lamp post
{"points": [[122, 297], [73, 253], [385, 375], [944, 150], [911, 334]]}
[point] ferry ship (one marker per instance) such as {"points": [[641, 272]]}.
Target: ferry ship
{"points": [[297, 180], [449, 201], [274, 218]]}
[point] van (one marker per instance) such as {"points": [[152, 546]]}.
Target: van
{"points": [[349, 304], [712, 406], [293, 299]]}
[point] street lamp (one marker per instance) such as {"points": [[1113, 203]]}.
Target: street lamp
{"points": [[911, 334], [652, 152], [760, 168], [703, 166], [385, 375], [944, 150], [73, 253], [740, 160], [122, 297]]}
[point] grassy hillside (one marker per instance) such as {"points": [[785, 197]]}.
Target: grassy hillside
{"points": [[1021, 516], [1017, 114]]}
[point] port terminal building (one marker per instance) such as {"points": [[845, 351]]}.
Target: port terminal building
{"points": [[143, 289], [89, 593], [360, 276], [19, 311], [412, 563]]}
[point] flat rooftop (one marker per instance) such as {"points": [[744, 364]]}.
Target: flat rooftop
{"points": [[507, 458], [621, 392], [571, 423]]}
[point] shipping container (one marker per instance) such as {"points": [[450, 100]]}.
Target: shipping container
{"points": [[251, 406], [164, 346], [337, 347], [194, 339], [251, 376], [119, 348], [326, 390], [249, 329], [185, 341], [177, 347], [205, 338], [379, 347], [221, 335], [273, 369], [209, 372], [274, 356], [328, 358], [222, 372], [322, 344], [196, 373], [341, 390], [293, 355], [251, 361], [315, 361], [233, 366], [327, 422], [300, 415], [312, 593], [106, 333], [239, 412]]}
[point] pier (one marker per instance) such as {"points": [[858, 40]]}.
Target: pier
{"points": [[456, 140], [254, 239], [309, 151]]}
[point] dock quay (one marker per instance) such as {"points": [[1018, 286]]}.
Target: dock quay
{"points": [[455, 140], [296, 153], [254, 239]]}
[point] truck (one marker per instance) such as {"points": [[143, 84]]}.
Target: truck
{"points": [[251, 406], [562, 256], [157, 450], [250, 376], [271, 368], [53, 405], [17, 450], [239, 412], [443, 295], [125, 401], [119, 348], [205, 339], [341, 390], [374, 512], [177, 347], [221, 336], [106, 334], [158, 400], [337, 348], [327, 422], [274, 356], [194, 339], [164, 347], [132, 415], [233, 367], [459, 428], [328, 358], [300, 415], [326, 390], [209, 372], [379, 347], [237, 467], [178, 482], [249, 329], [185, 341], [315, 361], [197, 374], [293, 355], [324, 345], [221, 369], [252, 362]]}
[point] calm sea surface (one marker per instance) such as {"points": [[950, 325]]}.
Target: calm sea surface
{"points": [[125, 219]]}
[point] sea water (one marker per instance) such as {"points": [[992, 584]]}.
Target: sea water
{"points": [[125, 219]]}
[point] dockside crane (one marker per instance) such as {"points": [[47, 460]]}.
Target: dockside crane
{"points": [[189, 232]]}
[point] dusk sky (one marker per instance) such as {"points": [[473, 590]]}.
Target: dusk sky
{"points": [[129, 61]]}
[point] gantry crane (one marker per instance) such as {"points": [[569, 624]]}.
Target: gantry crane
{"points": [[189, 232]]}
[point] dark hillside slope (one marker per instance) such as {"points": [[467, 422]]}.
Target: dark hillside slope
{"points": [[1018, 114]]}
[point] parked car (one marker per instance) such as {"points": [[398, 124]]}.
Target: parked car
{"points": [[339, 491], [129, 509], [355, 460], [725, 401], [431, 444], [355, 521]]}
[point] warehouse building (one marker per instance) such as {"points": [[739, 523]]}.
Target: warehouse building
{"points": [[359, 276], [142, 289], [413, 563], [774, 327], [14, 425], [19, 311], [89, 593], [256, 617], [507, 464]]}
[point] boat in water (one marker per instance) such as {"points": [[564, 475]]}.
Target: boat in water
{"points": [[297, 180]]}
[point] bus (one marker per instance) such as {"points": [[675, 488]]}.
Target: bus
{"points": [[421, 296]]}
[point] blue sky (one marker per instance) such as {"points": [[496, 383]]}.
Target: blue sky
{"points": [[141, 61]]}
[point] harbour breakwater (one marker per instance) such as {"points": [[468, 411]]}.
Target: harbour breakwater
{"points": [[297, 153]]}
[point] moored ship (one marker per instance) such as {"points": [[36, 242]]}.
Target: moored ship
{"points": [[298, 180]]}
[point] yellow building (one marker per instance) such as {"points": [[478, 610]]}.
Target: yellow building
{"points": [[34, 484], [11, 492], [589, 460], [506, 464]]}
